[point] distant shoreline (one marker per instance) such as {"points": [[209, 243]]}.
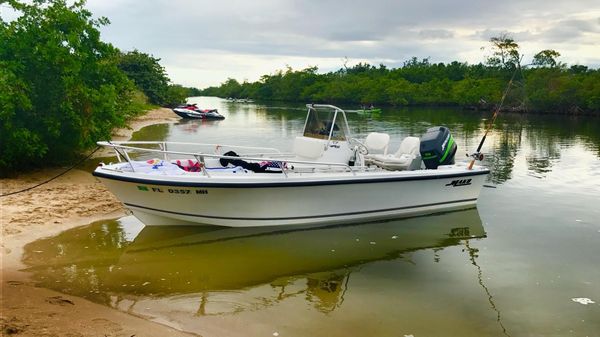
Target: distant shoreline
{"points": [[544, 88], [490, 108]]}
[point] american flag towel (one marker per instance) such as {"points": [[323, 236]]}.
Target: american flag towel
{"points": [[273, 166]]}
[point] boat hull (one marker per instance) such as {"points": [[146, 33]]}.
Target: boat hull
{"points": [[289, 201]]}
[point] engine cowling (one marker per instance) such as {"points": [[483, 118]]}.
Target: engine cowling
{"points": [[437, 147]]}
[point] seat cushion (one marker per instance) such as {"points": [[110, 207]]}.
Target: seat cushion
{"points": [[394, 163], [310, 148], [409, 145], [377, 141], [404, 159]]}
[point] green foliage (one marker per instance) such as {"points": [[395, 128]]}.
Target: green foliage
{"points": [[175, 94], [139, 102], [505, 52], [60, 88], [553, 89], [231, 88], [548, 87], [150, 77], [193, 92], [578, 69], [473, 92], [416, 83], [147, 74], [546, 58]]}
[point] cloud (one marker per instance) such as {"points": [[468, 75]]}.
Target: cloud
{"points": [[317, 32], [566, 31], [435, 34]]}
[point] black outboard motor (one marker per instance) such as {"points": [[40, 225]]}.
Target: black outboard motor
{"points": [[437, 147]]}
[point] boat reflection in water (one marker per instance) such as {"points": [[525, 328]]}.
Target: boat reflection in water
{"points": [[192, 126], [219, 270]]}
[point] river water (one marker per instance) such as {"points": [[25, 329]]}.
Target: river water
{"points": [[525, 262]]}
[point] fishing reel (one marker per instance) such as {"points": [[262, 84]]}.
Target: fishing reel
{"points": [[476, 156]]}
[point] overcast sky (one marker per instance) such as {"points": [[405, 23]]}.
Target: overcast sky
{"points": [[202, 43]]}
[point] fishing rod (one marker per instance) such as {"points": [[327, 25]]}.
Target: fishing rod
{"points": [[478, 155]]}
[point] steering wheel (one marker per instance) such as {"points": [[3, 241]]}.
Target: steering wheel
{"points": [[360, 147]]}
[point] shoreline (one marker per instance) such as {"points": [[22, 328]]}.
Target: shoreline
{"points": [[72, 200]]}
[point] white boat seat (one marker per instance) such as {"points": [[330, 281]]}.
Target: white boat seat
{"points": [[377, 142], [308, 148], [407, 157]]}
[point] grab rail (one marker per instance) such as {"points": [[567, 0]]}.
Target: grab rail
{"points": [[201, 156], [105, 143]]}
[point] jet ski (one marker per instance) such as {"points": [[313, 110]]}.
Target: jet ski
{"points": [[193, 111]]}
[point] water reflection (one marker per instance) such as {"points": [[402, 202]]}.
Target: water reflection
{"points": [[504, 154], [192, 126], [152, 132], [121, 261]]}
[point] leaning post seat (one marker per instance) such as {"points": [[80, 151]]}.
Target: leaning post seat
{"points": [[377, 143], [407, 157], [308, 148]]}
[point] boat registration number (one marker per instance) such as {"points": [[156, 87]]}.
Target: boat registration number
{"points": [[172, 190]]}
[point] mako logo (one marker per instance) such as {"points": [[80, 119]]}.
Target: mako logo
{"points": [[460, 182]]}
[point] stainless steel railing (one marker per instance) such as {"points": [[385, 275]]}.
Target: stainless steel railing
{"points": [[122, 152]]}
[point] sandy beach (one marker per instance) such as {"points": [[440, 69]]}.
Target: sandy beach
{"points": [[73, 199]]}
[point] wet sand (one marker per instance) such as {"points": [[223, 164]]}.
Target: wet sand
{"points": [[71, 200]]}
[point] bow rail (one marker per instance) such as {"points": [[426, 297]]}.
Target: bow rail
{"points": [[123, 149]]}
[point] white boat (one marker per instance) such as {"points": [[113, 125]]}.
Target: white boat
{"points": [[328, 178]]}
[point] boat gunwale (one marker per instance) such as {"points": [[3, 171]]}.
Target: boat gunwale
{"points": [[286, 182]]}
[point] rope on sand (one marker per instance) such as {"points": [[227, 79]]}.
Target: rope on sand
{"points": [[49, 180]]}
